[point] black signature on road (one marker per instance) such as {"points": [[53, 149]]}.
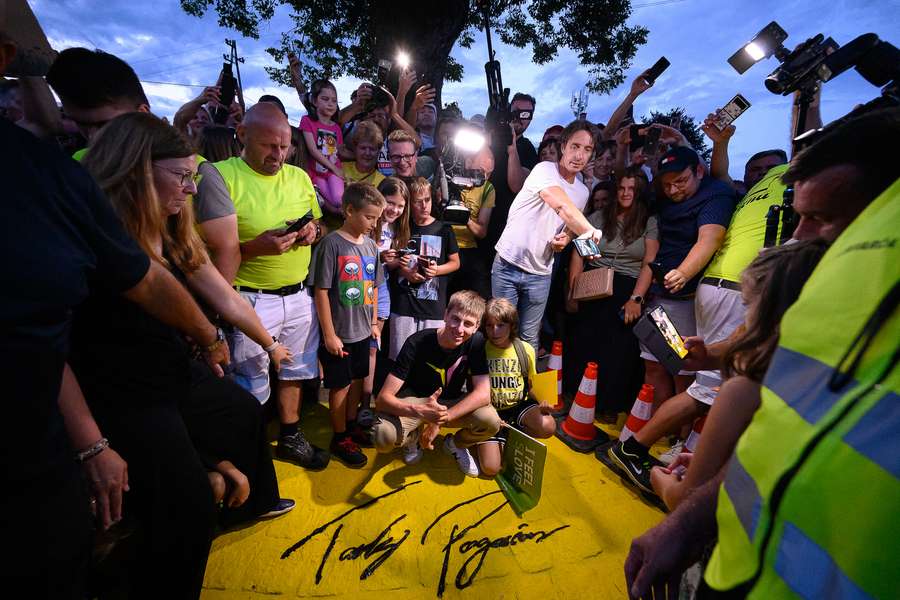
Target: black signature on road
{"points": [[474, 550]]}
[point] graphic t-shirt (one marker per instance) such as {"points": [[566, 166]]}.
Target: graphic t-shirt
{"points": [[507, 385], [328, 138], [426, 300], [425, 366], [350, 171], [747, 232], [475, 200], [680, 222], [384, 163], [350, 272]]}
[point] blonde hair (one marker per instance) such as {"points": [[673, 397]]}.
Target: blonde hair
{"points": [[359, 195], [417, 186], [121, 161], [399, 135], [502, 310], [367, 131], [467, 302]]}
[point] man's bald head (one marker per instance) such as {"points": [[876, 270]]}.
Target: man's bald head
{"points": [[266, 136]]}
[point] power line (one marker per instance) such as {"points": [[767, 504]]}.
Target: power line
{"points": [[192, 47], [657, 3], [191, 85]]}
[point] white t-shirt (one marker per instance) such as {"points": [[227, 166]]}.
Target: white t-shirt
{"points": [[531, 224]]}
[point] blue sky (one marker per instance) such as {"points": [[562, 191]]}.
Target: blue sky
{"points": [[164, 44]]}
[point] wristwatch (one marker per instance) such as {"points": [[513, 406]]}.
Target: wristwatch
{"points": [[220, 338], [638, 299]]}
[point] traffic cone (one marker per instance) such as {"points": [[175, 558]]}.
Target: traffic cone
{"points": [[640, 413], [578, 430], [555, 364], [690, 444]]}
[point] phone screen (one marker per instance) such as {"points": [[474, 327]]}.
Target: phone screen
{"points": [[668, 331], [586, 247], [731, 111]]}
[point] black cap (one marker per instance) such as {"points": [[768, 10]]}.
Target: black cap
{"points": [[677, 159]]}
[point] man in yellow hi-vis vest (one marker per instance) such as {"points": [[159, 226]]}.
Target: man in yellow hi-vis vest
{"points": [[807, 504]]}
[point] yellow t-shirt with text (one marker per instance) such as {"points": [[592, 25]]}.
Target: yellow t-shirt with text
{"points": [[351, 172], [507, 386]]}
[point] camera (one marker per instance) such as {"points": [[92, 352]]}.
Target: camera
{"points": [[226, 96], [453, 176]]}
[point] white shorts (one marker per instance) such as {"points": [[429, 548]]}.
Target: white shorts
{"points": [[292, 319], [681, 312], [403, 327], [719, 311]]}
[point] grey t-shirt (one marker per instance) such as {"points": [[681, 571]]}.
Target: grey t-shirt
{"points": [[616, 255], [212, 199], [351, 275]]}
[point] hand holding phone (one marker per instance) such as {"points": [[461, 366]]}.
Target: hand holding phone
{"points": [[299, 223], [731, 111], [586, 247], [656, 70]]}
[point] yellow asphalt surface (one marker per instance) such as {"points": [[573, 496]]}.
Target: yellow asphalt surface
{"points": [[378, 532]]}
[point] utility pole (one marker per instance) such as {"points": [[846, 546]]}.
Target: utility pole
{"points": [[234, 60]]}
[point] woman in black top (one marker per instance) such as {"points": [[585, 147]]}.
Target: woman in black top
{"points": [[171, 419]]}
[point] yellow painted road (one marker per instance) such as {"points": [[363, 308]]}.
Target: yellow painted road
{"points": [[378, 532]]}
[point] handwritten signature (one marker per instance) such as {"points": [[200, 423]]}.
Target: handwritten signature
{"points": [[474, 550]]}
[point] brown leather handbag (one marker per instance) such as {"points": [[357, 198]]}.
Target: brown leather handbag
{"points": [[594, 284]]}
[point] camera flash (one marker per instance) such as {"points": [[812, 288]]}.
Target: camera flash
{"points": [[755, 52], [402, 59], [468, 140]]}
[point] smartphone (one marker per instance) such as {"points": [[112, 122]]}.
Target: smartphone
{"points": [[659, 272], [637, 140], [299, 223], [586, 246], [651, 141], [226, 94], [668, 331], [675, 122], [731, 111], [656, 70]]}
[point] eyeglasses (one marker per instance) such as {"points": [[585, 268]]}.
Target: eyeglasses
{"points": [[399, 157], [186, 176]]}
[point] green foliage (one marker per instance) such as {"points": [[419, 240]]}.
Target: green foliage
{"points": [[690, 128], [452, 109], [338, 37]]}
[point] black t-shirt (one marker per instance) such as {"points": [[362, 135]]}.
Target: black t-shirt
{"points": [[59, 235], [426, 300], [504, 196], [425, 366]]}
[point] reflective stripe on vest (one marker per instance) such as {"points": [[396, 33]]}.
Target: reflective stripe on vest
{"points": [[809, 504]]}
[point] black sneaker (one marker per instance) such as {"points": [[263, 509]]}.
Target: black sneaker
{"points": [[635, 466], [348, 452], [296, 449], [362, 436], [283, 506]]}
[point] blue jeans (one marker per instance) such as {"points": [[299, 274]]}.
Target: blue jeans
{"points": [[527, 291]]}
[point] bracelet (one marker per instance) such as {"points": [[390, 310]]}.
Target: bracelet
{"points": [[271, 347], [220, 339], [92, 451]]}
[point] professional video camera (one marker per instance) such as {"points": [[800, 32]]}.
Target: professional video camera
{"points": [[453, 176], [497, 119], [816, 61]]}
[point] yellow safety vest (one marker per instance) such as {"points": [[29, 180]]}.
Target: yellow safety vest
{"points": [[810, 505]]}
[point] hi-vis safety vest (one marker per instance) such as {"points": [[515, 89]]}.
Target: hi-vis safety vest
{"points": [[810, 504]]}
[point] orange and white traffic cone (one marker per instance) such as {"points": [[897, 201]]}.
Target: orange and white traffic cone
{"points": [[690, 444], [555, 364], [580, 422], [641, 412]]}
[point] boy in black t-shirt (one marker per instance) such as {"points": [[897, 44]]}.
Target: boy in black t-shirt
{"points": [[425, 385], [419, 288], [347, 277]]}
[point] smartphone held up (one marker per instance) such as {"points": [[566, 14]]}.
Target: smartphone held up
{"points": [[731, 111]]}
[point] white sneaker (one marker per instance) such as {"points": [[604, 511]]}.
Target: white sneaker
{"points": [[412, 451], [464, 460], [672, 453]]}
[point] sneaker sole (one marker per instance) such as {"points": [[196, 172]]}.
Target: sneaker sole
{"points": [[612, 456]]}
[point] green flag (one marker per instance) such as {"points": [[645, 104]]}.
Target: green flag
{"points": [[523, 470]]}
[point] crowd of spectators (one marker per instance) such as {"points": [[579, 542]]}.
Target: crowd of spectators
{"points": [[179, 285]]}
